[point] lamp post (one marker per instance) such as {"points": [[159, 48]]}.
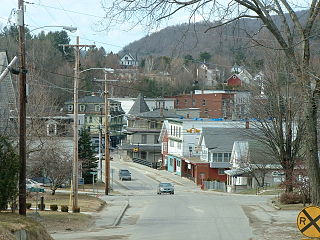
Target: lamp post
{"points": [[67, 28]]}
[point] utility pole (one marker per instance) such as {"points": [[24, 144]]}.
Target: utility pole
{"points": [[75, 165], [106, 136], [22, 112]]}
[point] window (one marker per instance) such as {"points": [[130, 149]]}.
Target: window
{"points": [[178, 163], [70, 108], [174, 130], [82, 108], [143, 155], [90, 119], [185, 101], [97, 108], [171, 161], [156, 139], [144, 139], [171, 130], [221, 171], [179, 132], [179, 145], [220, 157], [153, 125], [206, 110], [171, 143], [203, 102], [193, 102], [177, 101], [226, 157], [214, 157]]}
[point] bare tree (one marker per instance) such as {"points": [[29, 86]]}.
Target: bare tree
{"points": [[291, 35], [276, 106], [53, 162]]}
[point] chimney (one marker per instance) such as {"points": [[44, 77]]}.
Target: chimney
{"points": [[247, 124]]}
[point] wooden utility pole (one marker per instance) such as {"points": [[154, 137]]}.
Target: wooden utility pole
{"points": [[22, 108], [106, 137], [75, 165]]}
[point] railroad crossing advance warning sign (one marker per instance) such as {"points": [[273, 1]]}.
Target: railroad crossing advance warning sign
{"points": [[308, 222]]}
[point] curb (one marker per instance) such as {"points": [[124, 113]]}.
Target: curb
{"points": [[118, 219]]}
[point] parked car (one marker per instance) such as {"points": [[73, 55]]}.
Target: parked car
{"points": [[165, 188], [33, 184], [124, 174], [45, 181]]}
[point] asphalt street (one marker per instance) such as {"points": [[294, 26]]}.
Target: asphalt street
{"points": [[135, 211]]}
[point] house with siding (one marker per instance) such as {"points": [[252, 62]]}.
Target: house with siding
{"points": [[8, 107], [92, 117], [143, 130]]}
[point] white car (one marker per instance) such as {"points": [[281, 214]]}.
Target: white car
{"points": [[33, 184]]}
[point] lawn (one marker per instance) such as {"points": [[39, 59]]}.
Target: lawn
{"points": [[86, 202]]}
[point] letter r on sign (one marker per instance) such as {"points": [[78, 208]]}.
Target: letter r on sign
{"points": [[302, 220]]}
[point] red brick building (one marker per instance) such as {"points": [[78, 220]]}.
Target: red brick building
{"points": [[212, 105]]}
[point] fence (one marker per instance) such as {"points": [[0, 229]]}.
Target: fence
{"points": [[146, 163], [215, 185]]}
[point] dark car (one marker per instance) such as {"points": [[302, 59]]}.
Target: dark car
{"points": [[45, 181], [165, 188], [124, 174]]}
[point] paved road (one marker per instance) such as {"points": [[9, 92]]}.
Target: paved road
{"points": [[189, 214]]}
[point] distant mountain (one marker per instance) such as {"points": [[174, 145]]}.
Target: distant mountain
{"points": [[184, 39]]}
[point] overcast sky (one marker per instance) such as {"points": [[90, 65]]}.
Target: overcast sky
{"points": [[86, 15]]}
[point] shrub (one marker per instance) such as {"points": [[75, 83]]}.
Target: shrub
{"points": [[41, 207], [54, 207], [64, 208], [9, 169], [291, 198], [28, 205], [76, 210]]}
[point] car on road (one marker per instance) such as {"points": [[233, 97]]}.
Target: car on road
{"points": [[165, 188], [33, 184], [124, 174]]}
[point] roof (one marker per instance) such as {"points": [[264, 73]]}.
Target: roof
{"points": [[158, 113], [92, 99], [222, 139], [139, 106]]}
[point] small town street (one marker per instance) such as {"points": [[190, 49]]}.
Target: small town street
{"points": [[188, 214]]}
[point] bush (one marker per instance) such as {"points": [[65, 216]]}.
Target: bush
{"points": [[9, 169], [54, 207], [64, 208], [28, 205], [291, 198], [76, 210], [41, 207]]}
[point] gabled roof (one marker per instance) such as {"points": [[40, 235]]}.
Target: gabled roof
{"points": [[222, 139], [129, 55], [158, 113], [139, 106], [92, 99]]}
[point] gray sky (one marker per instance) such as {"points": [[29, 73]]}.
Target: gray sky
{"points": [[86, 15], [83, 14]]}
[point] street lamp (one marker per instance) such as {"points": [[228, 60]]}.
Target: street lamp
{"points": [[67, 28]]}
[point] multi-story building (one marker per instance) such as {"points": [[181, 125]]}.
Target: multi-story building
{"points": [[92, 118], [224, 104], [143, 130]]}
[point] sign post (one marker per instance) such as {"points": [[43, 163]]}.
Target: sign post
{"points": [[308, 221]]}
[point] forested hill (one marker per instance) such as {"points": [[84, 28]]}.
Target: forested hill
{"points": [[181, 40]]}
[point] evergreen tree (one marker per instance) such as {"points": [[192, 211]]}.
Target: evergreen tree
{"points": [[86, 155], [9, 170]]}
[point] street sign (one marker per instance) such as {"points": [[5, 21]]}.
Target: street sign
{"points": [[308, 222], [80, 181], [136, 149], [94, 173]]}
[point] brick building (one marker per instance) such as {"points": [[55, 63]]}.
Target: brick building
{"points": [[213, 104]]}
